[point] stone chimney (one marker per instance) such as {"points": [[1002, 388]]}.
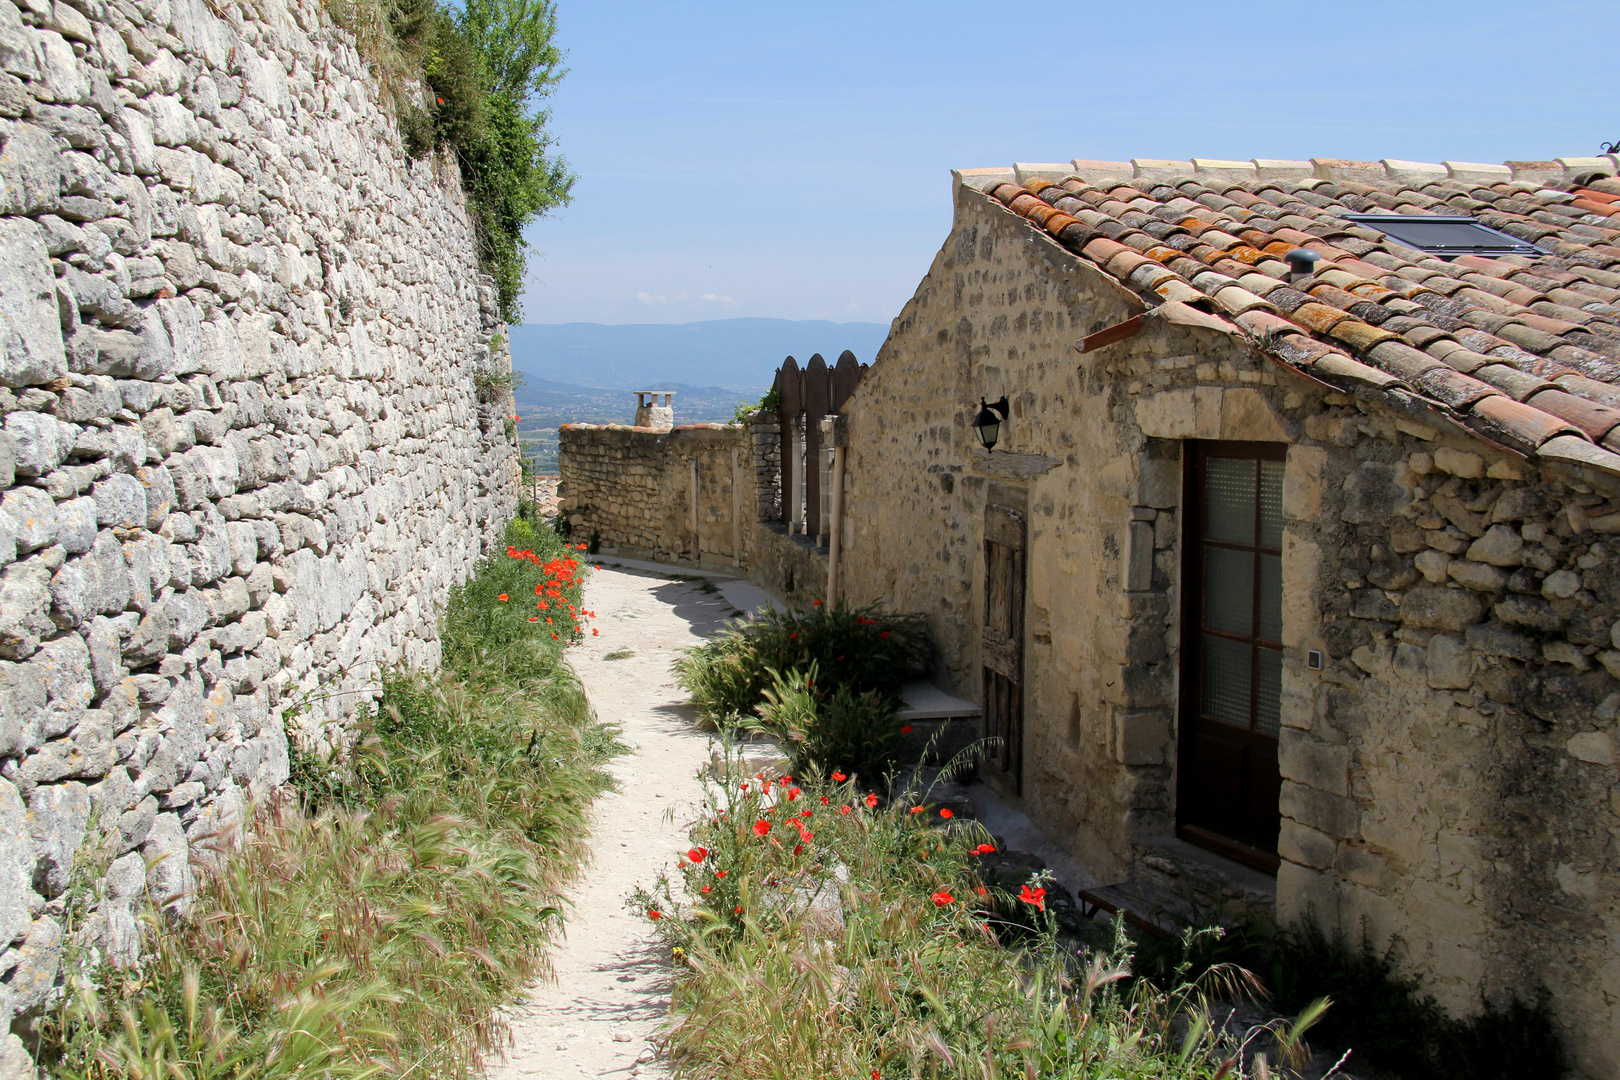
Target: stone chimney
{"points": [[650, 414]]}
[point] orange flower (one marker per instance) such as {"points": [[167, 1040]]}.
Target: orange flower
{"points": [[915, 810], [942, 898], [985, 849], [946, 814], [595, 632], [534, 618], [501, 598]]}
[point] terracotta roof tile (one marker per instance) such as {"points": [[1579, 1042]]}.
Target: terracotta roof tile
{"points": [[1475, 335]]}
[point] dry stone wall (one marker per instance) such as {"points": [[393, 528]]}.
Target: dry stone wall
{"points": [[243, 456], [632, 490]]}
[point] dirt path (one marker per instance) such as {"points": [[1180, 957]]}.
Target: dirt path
{"points": [[612, 978]]}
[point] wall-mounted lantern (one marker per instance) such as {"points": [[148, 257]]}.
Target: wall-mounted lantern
{"points": [[987, 425]]}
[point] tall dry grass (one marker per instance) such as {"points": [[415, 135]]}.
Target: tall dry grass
{"points": [[372, 921]]}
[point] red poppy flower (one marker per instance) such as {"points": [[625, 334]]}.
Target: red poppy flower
{"points": [[982, 891], [843, 809], [654, 914], [825, 800], [698, 854], [706, 888], [797, 848], [840, 777], [534, 618], [595, 632], [761, 827], [793, 793], [815, 603], [1035, 897], [915, 810], [946, 814], [721, 873], [738, 909], [884, 634], [985, 849], [501, 598], [942, 898], [906, 730], [871, 800]]}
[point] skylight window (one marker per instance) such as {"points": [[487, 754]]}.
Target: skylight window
{"points": [[1445, 237]]}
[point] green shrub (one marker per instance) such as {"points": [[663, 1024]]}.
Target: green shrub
{"points": [[862, 649], [829, 730], [379, 921], [468, 81], [828, 935]]}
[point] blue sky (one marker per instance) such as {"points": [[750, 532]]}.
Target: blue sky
{"points": [[792, 160]]}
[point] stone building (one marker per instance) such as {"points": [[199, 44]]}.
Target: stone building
{"points": [[1299, 576], [244, 456]]}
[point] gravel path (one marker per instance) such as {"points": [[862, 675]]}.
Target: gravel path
{"points": [[612, 984]]}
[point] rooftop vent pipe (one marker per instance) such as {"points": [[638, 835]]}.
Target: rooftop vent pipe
{"points": [[1301, 264]]}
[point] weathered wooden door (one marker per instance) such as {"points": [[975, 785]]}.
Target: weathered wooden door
{"points": [[1002, 636], [1231, 638]]}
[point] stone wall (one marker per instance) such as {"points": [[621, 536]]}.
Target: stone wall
{"points": [[632, 490], [1449, 777], [243, 456]]}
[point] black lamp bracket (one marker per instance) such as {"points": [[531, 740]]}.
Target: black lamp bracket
{"points": [[1001, 407]]}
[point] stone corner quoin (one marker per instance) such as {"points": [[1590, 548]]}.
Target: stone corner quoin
{"points": [[242, 455]]}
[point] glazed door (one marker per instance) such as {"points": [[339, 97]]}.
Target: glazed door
{"points": [[1002, 636], [1231, 680]]}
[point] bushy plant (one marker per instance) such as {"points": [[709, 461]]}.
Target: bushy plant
{"points": [[829, 729], [862, 649], [468, 79], [378, 922], [819, 932]]}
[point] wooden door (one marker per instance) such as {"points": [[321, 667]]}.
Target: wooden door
{"points": [[1231, 701], [1002, 635]]}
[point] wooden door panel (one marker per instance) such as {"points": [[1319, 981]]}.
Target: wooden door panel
{"points": [[1001, 640]]}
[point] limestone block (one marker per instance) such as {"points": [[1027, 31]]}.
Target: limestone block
{"points": [[1305, 846], [38, 960], [1433, 565], [1141, 737], [32, 517], [1595, 747], [1316, 764], [1481, 577], [1528, 611], [17, 858], [1374, 494], [76, 525], [1441, 608], [1449, 663], [1302, 482], [57, 815], [1459, 462], [1501, 545], [40, 440]]}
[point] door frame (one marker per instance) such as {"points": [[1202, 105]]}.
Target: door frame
{"points": [[1015, 500], [1190, 683]]}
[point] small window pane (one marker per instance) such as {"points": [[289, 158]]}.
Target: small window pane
{"points": [[1229, 591], [1271, 480], [1227, 680], [1230, 492], [1269, 707], [1270, 598]]}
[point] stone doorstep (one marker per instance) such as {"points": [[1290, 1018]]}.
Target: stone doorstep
{"points": [[1207, 886]]}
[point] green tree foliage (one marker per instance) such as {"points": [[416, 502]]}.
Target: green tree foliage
{"points": [[471, 83]]}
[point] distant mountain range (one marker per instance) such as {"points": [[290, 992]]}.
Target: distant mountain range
{"points": [[737, 354], [583, 372]]}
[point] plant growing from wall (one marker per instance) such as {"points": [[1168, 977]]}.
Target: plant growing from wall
{"points": [[469, 81]]}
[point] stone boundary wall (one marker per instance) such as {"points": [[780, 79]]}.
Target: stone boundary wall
{"points": [[632, 489], [243, 457]]}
